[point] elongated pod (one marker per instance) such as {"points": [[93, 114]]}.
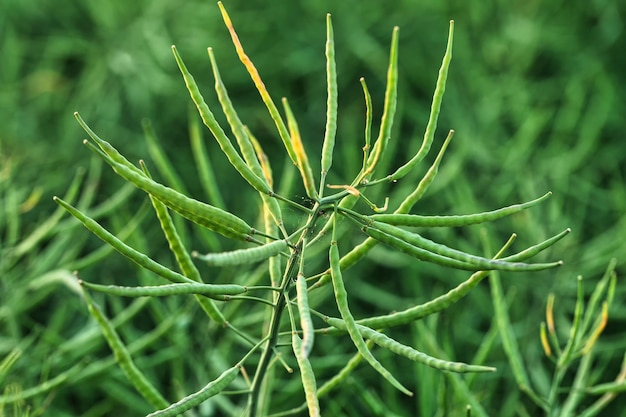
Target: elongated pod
{"points": [[442, 255], [386, 342], [123, 357], [182, 256], [243, 256], [244, 141], [106, 147], [331, 105], [305, 315], [414, 220], [210, 290], [256, 78], [435, 108], [389, 109], [209, 120], [307, 376], [341, 297], [197, 398], [206, 215], [444, 301], [301, 156], [131, 253]]}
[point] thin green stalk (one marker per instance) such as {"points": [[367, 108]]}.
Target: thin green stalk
{"points": [[48, 226], [576, 392], [201, 157], [268, 351]]}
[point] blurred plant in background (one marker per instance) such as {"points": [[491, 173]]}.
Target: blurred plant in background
{"points": [[535, 90]]}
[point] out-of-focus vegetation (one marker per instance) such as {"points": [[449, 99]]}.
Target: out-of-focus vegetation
{"points": [[535, 93]]}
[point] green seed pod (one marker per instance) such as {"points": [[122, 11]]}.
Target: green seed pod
{"points": [[306, 323], [444, 301], [414, 220], [132, 254], [209, 290], [386, 342], [433, 252], [244, 141], [341, 297], [195, 399], [243, 256], [209, 120], [331, 105], [123, 357], [435, 108], [307, 376], [301, 157], [389, 109], [108, 149], [211, 217], [183, 258]]}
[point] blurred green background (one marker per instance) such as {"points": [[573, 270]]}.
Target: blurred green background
{"points": [[536, 95]]}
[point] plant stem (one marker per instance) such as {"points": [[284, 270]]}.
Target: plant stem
{"points": [[272, 339], [253, 399]]}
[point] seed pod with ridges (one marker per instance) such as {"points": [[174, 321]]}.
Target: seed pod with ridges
{"points": [[414, 220], [243, 256]]}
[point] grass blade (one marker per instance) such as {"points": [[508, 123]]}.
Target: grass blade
{"points": [[201, 157], [509, 343], [159, 156]]}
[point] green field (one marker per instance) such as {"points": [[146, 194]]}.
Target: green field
{"points": [[535, 94]]}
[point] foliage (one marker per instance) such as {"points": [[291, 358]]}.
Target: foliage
{"points": [[508, 83], [295, 245]]}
